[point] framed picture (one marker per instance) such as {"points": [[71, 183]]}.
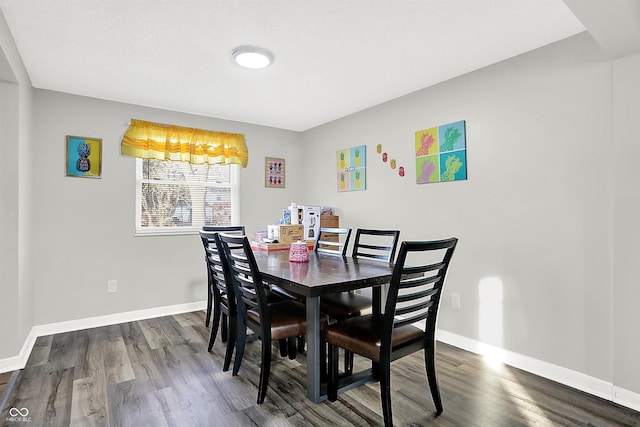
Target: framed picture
{"points": [[84, 157], [274, 172], [351, 165]]}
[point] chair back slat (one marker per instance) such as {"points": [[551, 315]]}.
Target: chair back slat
{"points": [[336, 246], [375, 244], [416, 288], [412, 309], [418, 281], [332, 240], [416, 295], [228, 229], [424, 268], [400, 322]]}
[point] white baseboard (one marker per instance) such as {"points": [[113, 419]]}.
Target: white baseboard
{"points": [[20, 361], [626, 398], [568, 377]]}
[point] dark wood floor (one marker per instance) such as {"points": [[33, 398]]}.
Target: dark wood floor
{"points": [[157, 372], [4, 378]]}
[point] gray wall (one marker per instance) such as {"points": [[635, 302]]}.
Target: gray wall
{"points": [[626, 227], [16, 298], [86, 226], [9, 217], [534, 263]]}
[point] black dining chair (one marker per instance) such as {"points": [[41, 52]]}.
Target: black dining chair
{"points": [[223, 292], [225, 307], [236, 229], [285, 319], [407, 325], [220, 299], [377, 245]]}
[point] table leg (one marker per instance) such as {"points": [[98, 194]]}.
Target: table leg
{"points": [[313, 350], [379, 300], [379, 296]]}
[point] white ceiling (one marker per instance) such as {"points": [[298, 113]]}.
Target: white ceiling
{"points": [[333, 57]]}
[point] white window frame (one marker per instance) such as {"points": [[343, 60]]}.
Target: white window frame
{"points": [[234, 185]]}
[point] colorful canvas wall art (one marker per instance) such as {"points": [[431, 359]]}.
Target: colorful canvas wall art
{"points": [[441, 153], [84, 157], [351, 166]]}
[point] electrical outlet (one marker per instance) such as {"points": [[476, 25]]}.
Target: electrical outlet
{"points": [[112, 286], [455, 301]]}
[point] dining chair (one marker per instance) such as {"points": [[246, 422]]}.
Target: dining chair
{"points": [[407, 325], [332, 240], [285, 319], [223, 294], [379, 245], [221, 298], [239, 229]]}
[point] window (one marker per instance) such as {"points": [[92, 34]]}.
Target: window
{"points": [[179, 197]]}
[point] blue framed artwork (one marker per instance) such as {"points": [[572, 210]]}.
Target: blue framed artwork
{"points": [[84, 157]]}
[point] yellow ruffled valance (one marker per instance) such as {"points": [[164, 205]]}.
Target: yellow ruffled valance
{"points": [[147, 140]]}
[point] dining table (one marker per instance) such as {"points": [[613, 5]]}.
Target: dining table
{"points": [[323, 274]]}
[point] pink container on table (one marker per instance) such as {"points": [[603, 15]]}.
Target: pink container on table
{"points": [[299, 252]]}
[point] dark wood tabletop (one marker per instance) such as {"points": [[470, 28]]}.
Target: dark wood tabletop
{"points": [[324, 274]]}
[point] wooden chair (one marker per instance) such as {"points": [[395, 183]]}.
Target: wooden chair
{"points": [[332, 240], [239, 229], [223, 294], [269, 321], [414, 296], [371, 244]]}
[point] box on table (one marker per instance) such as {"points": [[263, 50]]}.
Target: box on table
{"points": [[259, 235], [286, 233], [329, 221], [332, 221], [311, 221]]}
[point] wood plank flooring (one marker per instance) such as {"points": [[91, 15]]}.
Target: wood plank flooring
{"points": [[157, 372], [4, 378]]}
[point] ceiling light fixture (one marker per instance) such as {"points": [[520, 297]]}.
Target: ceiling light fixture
{"points": [[253, 57]]}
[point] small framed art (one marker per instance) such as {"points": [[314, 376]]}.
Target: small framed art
{"points": [[84, 157], [274, 172]]}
